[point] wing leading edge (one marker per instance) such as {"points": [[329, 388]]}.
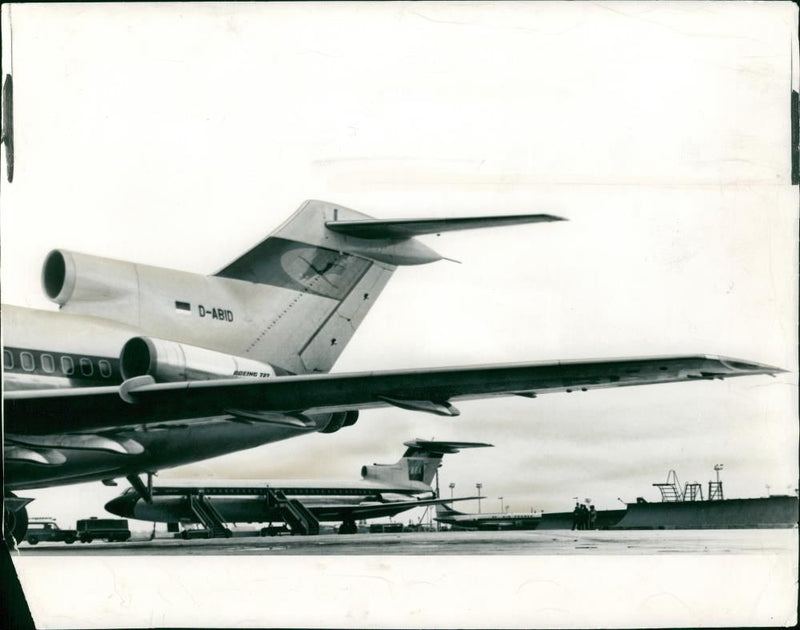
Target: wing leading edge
{"points": [[432, 390]]}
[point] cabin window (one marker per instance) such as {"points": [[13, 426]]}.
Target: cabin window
{"points": [[8, 359], [48, 365], [28, 364], [86, 367], [67, 365], [105, 368]]}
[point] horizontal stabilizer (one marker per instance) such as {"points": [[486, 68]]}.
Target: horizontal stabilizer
{"points": [[433, 447], [407, 228]]}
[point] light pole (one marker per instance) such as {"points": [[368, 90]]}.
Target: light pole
{"points": [[479, 486], [501, 504], [452, 486]]}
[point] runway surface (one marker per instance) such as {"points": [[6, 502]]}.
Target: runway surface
{"points": [[752, 541]]}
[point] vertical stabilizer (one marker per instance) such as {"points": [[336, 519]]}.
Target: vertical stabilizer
{"points": [[418, 466], [319, 293], [444, 511], [322, 270]]}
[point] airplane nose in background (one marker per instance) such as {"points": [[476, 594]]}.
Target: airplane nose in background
{"points": [[122, 506]]}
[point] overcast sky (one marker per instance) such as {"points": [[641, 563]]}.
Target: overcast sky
{"points": [[180, 135]]}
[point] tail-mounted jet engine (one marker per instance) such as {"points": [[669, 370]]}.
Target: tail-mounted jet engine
{"points": [[68, 276], [169, 361]]}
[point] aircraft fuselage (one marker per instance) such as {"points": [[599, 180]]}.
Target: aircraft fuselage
{"points": [[237, 503], [53, 350]]}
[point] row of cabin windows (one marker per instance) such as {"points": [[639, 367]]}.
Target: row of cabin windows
{"points": [[66, 364]]}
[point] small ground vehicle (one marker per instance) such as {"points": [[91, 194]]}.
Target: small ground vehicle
{"points": [[385, 528], [188, 534], [274, 530], [108, 529], [47, 530]]}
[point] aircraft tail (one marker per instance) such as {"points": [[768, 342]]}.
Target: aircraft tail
{"points": [[316, 289], [444, 511], [326, 267], [288, 305], [419, 463]]}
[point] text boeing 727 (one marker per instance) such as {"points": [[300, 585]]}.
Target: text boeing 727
{"points": [[145, 368], [384, 490]]}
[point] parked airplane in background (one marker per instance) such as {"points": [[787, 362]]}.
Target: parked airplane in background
{"points": [[502, 520], [145, 368], [384, 490]]}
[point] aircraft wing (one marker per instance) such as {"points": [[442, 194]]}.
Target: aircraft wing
{"points": [[377, 510], [141, 401]]}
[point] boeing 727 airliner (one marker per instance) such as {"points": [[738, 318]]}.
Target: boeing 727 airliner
{"points": [[384, 490], [145, 368]]}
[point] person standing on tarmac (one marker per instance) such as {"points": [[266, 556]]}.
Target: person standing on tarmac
{"points": [[592, 517], [583, 517], [576, 517]]}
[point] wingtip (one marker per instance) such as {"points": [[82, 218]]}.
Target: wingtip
{"points": [[739, 365]]}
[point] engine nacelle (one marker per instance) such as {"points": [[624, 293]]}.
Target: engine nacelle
{"points": [[169, 361], [72, 277], [340, 419], [382, 472]]}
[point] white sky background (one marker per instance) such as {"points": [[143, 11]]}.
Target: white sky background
{"points": [[180, 135]]}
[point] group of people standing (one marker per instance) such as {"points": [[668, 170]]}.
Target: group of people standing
{"points": [[583, 517]]}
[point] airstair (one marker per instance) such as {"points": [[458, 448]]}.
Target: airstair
{"points": [[208, 515], [692, 490], [296, 515], [671, 490]]}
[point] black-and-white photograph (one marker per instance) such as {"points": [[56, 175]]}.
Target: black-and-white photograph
{"points": [[404, 314]]}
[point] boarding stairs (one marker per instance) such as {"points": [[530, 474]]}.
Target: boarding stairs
{"points": [[671, 490], [692, 490], [207, 514], [296, 515]]}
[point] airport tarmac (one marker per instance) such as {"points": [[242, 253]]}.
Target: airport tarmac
{"points": [[555, 543], [523, 579]]}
